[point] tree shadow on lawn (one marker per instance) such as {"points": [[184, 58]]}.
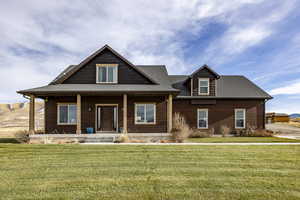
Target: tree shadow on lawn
{"points": [[9, 140]]}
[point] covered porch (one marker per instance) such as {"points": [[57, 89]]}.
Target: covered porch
{"points": [[104, 114]]}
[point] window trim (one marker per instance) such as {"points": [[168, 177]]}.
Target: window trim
{"points": [[244, 118], [203, 79], [106, 65], [206, 110], [58, 116], [135, 113]]}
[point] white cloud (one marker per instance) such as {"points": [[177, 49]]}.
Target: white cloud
{"points": [[293, 88], [53, 34]]}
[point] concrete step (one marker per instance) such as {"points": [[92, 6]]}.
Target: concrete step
{"points": [[98, 139]]}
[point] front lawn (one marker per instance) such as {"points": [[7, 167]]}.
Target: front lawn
{"points": [[149, 172], [241, 140]]}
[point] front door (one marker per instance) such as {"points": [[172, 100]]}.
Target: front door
{"points": [[106, 118]]}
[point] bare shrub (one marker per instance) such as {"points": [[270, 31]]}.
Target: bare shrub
{"points": [[180, 130], [123, 138], [39, 131], [22, 136], [196, 133], [252, 131], [225, 130]]}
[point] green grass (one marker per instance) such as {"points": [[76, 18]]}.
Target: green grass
{"points": [[149, 172], [241, 140]]}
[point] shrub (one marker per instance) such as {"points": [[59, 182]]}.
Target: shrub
{"points": [[200, 134], [180, 130], [252, 131], [225, 130], [123, 138], [22, 136]]}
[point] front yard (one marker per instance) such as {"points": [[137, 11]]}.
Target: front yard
{"points": [[242, 140], [149, 172]]}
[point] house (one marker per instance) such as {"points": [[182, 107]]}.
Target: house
{"points": [[108, 94], [277, 117]]}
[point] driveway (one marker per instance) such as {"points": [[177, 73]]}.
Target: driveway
{"points": [[286, 131]]}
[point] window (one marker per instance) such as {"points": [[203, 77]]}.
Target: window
{"points": [[66, 114], [145, 113], [202, 118], [203, 86], [107, 73], [240, 118]]}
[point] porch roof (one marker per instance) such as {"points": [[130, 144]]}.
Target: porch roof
{"points": [[98, 88]]}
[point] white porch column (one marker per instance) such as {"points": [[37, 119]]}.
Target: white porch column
{"points": [[78, 114], [169, 112], [31, 115], [124, 113]]}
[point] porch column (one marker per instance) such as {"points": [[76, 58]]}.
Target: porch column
{"points": [[169, 111], [78, 114], [124, 113], [31, 114]]}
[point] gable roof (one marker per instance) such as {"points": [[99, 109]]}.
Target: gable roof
{"points": [[205, 67], [68, 73]]}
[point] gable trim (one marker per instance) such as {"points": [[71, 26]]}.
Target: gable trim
{"points": [[88, 59], [205, 67]]}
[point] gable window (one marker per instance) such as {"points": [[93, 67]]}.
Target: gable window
{"points": [[66, 113], [107, 73], [203, 86], [202, 118], [240, 118], [145, 113]]}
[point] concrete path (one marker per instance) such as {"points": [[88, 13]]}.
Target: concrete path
{"points": [[295, 137], [197, 144]]}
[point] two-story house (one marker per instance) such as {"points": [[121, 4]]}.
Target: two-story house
{"points": [[109, 94]]}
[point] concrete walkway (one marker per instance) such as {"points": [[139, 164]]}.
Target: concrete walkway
{"points": [[284, 129], [197, 144], [295, 137]]}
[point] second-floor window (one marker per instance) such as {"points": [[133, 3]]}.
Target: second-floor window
{"points": [[203, 86], [107, 73]]}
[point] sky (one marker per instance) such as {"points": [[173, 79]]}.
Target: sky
{"points": [[259, 39]]}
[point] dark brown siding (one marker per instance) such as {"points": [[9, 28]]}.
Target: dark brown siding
{"points": [[51, 116], [212, 87], [222, 113], [161, 115], [88, 116], [126, 74]]}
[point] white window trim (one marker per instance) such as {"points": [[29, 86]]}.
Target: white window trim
{"points": [[106, 65], [203, 79], [135, 114], [206, 110], [58, 116], [244, 118]]}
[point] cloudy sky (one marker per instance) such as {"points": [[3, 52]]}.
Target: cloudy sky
{"points": [[256, 38]]}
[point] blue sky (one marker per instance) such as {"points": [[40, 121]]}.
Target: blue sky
{"points": [[256, 38]]}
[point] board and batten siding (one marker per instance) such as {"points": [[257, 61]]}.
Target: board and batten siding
{"points": [[204, 73], [88, 115], [126, 74], [222, 112]]}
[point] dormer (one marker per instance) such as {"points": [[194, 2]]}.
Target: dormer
{"points": [[202, 82]]}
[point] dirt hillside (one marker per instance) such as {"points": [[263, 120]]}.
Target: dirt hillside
{"points": [[14, 117]]}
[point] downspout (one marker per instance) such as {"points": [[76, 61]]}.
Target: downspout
{"points": [[191, 86]]}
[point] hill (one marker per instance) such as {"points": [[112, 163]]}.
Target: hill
{"points": [[295, 115], [15, 117]]}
